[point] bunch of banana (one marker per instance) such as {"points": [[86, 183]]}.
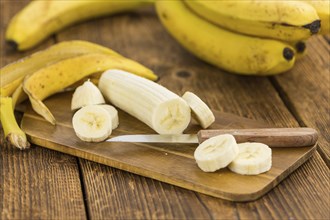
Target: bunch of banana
{"points": [[53, 70], [40, 19], [244, 37]]}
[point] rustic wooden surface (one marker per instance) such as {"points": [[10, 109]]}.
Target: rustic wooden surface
{"points": [[41, 183], [170, 163]]}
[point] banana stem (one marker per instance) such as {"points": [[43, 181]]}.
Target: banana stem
{"points": [[13, 133]]}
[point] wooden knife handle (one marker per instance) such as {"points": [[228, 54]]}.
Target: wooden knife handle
{"points": [[273, 137]]}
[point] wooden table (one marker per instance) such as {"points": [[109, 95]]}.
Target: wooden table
{"points": [[41, 183]]}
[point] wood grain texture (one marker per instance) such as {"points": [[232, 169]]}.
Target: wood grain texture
{"points": [[37, 183], [305, 90]]}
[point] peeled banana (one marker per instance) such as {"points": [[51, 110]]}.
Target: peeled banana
{"points": [[230, 51], [200, 111], [216, 153], [282, 20], [252, 159], [92, 123], [151, 103], [40, 19], [86, 94]]}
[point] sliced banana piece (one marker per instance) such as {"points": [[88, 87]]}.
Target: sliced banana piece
{"points": [[200, 111], [216, 152], [114, 115], [86, 94], [253, 159], [92, 123]]}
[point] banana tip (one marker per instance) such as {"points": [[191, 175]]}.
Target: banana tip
{"points": [[300, 46], [12, 44], [288, 53], [18, 141], [314, 27]]}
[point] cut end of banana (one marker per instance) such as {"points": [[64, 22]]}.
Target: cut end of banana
{"points": [[113, 114], [253, 159], [86, 94], [162, 110], [172, 117], [216, 153], [201, 112], [92, 123]]}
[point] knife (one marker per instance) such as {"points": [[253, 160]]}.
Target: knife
{"points": [[273, 137]]}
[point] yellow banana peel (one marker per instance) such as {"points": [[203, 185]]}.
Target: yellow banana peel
{"points": [[12, 131]]}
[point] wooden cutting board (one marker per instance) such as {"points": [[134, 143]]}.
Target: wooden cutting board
{"points": [[170, 163]]}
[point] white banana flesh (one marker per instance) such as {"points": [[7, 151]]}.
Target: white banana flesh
{"points": [[216, 153], [113, 114], [92, 123], [200, 111], [253, 159], [86, 94], [162, 110]]}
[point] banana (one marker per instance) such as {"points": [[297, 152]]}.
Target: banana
{"points": [[300, 48], [322, 8], [13, 74], [86, 94], [253, 159], [12, 131], [200, 111], [92, 123], [40, 19], [282, 20], [113, 114], [216, 153], [230, 51], [151, 103], [54, 78]]}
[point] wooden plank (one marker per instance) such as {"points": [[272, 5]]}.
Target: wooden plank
{"points": [[141, 37], [305, 90], [36, 183]]}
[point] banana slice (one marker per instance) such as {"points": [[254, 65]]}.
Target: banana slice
{"points": [[253, 159], [86, 94], [216, 152], [114, 115], [201, 112], [92, 123]]}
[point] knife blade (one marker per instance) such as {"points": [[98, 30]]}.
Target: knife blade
{"points": [[273, 137]]}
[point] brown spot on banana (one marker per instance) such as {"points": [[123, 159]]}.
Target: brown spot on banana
{"points": [[288, 53]]}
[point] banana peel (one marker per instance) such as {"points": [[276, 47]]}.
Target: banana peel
{"points": [[12, 131], [54, 78], [13, 74]]}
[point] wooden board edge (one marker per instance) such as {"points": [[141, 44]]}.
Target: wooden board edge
{"points": [[186, 185]]}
